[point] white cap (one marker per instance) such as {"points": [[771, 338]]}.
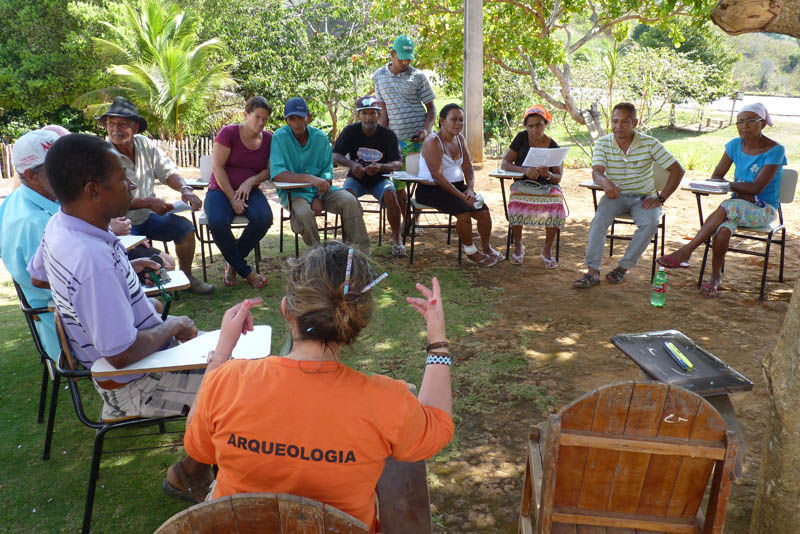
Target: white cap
{"points": [[30, 149]]}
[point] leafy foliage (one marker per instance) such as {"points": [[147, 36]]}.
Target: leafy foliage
{"points": [[46, 57], [173, 79], [535, 38]]}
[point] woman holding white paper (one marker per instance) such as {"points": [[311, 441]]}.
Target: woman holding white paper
{"points": [[536, 200], [759, 165]]}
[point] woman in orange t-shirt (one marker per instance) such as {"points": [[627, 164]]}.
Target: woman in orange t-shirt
{"points": [[305, 423]]}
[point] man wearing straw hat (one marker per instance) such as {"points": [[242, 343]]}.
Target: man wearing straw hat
{"points": [[144, 162]]}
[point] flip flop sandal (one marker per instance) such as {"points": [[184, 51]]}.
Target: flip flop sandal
{"points": [[486, 261], [229, 277], [550, 263], [711, 291], [191, 494], [398, 250], [670, 262], [616, 275], [493, 253], [517, 259], [585, 282], [258, 281]]}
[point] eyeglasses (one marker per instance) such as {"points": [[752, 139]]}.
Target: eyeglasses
{"points": [[745, 122]]}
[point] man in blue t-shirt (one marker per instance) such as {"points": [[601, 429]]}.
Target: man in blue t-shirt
{"points": [[371, 152], [301, 154], [23, 217]]}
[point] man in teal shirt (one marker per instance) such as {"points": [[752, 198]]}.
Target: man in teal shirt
{"points": [[23, 216], [302, 154]]}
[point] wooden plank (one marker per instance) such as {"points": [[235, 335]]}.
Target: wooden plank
{"points": [[213, 516], [591, 529], [576, 416], [561, 528], [677, 421], [697, 449], [300, 515], [694, 473], [549, 472], [598, 477], [404, 502], [338, 522], [661, 524], [644, 415], [721, 489], [255, 512]]}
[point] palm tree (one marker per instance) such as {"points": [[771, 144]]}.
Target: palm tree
{"points": [[174, 81]]}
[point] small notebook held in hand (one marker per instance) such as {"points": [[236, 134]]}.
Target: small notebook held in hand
{"points": [[192, 354]]}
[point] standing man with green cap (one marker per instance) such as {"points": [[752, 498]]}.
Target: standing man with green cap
{"points": [[407, 103]]}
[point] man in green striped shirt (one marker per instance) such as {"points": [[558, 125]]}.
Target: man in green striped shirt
{"points": [[623, 166]]}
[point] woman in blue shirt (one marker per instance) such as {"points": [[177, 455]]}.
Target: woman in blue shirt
{"points": [[757, 180]]}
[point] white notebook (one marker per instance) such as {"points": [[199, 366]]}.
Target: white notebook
{"points": [[192, 354], [712, 186]]}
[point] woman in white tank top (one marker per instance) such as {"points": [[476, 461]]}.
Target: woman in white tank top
{"points": [[445, 160]]}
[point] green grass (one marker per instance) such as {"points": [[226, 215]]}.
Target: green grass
{"points": [[39, 496]]}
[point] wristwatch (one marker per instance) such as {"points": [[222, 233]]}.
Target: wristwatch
{"points": [[661, 198]]}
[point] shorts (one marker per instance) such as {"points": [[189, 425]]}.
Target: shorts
{"points": [[746, 214], [406, 148], [168, 227], [360, 188], [153, 395], [436, 197]]}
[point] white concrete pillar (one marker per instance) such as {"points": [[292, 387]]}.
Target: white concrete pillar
{"points": [[473, 77]]}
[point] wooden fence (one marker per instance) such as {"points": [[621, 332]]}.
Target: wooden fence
{"points": [[185, 153]]}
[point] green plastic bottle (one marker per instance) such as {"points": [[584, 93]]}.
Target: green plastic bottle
{"points": [[659, 296]]}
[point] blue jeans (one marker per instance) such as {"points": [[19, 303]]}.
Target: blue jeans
{"points": [[220, 214]]}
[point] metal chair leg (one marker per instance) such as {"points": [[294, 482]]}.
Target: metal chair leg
{"points": [[94, 471], [43, 394], [766, 265], [51, 417], [558, 243]]}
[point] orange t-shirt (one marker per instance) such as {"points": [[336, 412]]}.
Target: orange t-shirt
{"points": [[316, 429]]}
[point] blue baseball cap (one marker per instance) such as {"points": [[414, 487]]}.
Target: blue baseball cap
{"points": [[404, 47], [295, 106]]}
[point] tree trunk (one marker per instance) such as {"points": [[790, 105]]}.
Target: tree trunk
{"points": [[743, 16], [777, 505]]}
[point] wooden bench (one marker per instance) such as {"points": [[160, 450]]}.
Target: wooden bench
{"points": [[629, 457]]}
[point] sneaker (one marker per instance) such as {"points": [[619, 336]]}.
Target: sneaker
{"points": [[398, 250], [199, 287]]}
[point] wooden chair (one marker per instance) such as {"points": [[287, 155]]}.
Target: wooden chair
{"points": [[660, 177], [71, 370], [414, 209], [629, 457], [262, 513], [200, 222], [786, 196], [48, 366]]}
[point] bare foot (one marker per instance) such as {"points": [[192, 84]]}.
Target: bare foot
{"points": [[229, 278], [675, 260]]}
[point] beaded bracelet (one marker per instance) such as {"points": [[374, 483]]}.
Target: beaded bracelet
{"points": [[440, 360], [437, 345]]}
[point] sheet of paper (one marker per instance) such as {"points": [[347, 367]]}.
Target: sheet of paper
{"points": [[712, 185], [545, 157], [193, 353], [180, 206]]}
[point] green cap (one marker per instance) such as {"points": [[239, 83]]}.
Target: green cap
{"points": [[404, 47]]}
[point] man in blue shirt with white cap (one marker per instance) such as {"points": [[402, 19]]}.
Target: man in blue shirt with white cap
{"points": [[302, 154]]}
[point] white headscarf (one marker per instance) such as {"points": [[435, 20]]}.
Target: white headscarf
{"points": [[759, 109]]}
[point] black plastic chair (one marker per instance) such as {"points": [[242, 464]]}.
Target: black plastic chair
{"points": [[73, 372], [48, 366]]}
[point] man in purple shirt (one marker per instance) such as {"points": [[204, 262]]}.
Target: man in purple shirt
{"points": [[97, 293]]}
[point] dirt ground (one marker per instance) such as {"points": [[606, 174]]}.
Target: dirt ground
{"points": [[564, 333]]}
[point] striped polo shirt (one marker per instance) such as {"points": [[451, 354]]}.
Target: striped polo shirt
{"points": [[632, 172], [405, 95]]}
